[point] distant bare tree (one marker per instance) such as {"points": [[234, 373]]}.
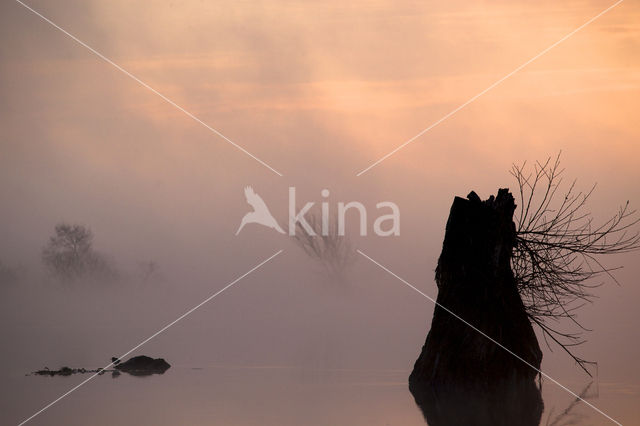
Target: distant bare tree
{"points": [[559, 249], [69, 254], [332, 251], [148, 269], [8, 275]]}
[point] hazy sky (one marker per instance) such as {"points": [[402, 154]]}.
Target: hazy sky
{"points": [[318, 90]]}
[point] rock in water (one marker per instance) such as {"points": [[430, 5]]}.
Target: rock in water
{"points": [[143, 366], [460, 372]]}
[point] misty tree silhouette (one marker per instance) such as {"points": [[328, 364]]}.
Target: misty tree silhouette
{"points": [[333, 251], [69, 254]]}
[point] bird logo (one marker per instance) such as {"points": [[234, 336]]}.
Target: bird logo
{"points": [[260, 213]]}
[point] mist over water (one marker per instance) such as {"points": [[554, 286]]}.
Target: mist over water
{"points": [[318, 91]]}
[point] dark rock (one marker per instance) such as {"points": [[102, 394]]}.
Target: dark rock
{"points": [[136, 366], [63, 371], [143, 366]]}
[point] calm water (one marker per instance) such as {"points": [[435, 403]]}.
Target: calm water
{"points": [[266, 396], [313, 355]]}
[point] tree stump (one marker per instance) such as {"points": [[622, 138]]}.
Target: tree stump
{"points": [[475, 281]]}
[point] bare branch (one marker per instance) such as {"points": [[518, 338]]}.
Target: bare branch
{"points": [[331, 250], [559, 249]]}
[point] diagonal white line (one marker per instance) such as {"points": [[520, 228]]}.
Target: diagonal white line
{"points": [[496, 83], [488, 337], [189, 312], [145, 85]]}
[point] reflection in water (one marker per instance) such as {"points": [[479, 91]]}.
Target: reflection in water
{"points": [[568, 416], [497, 404]]}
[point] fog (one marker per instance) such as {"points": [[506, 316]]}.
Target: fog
{"points": [[318, 92]]}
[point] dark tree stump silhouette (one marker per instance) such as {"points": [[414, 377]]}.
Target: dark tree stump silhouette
{"points": [[461, 377]]}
